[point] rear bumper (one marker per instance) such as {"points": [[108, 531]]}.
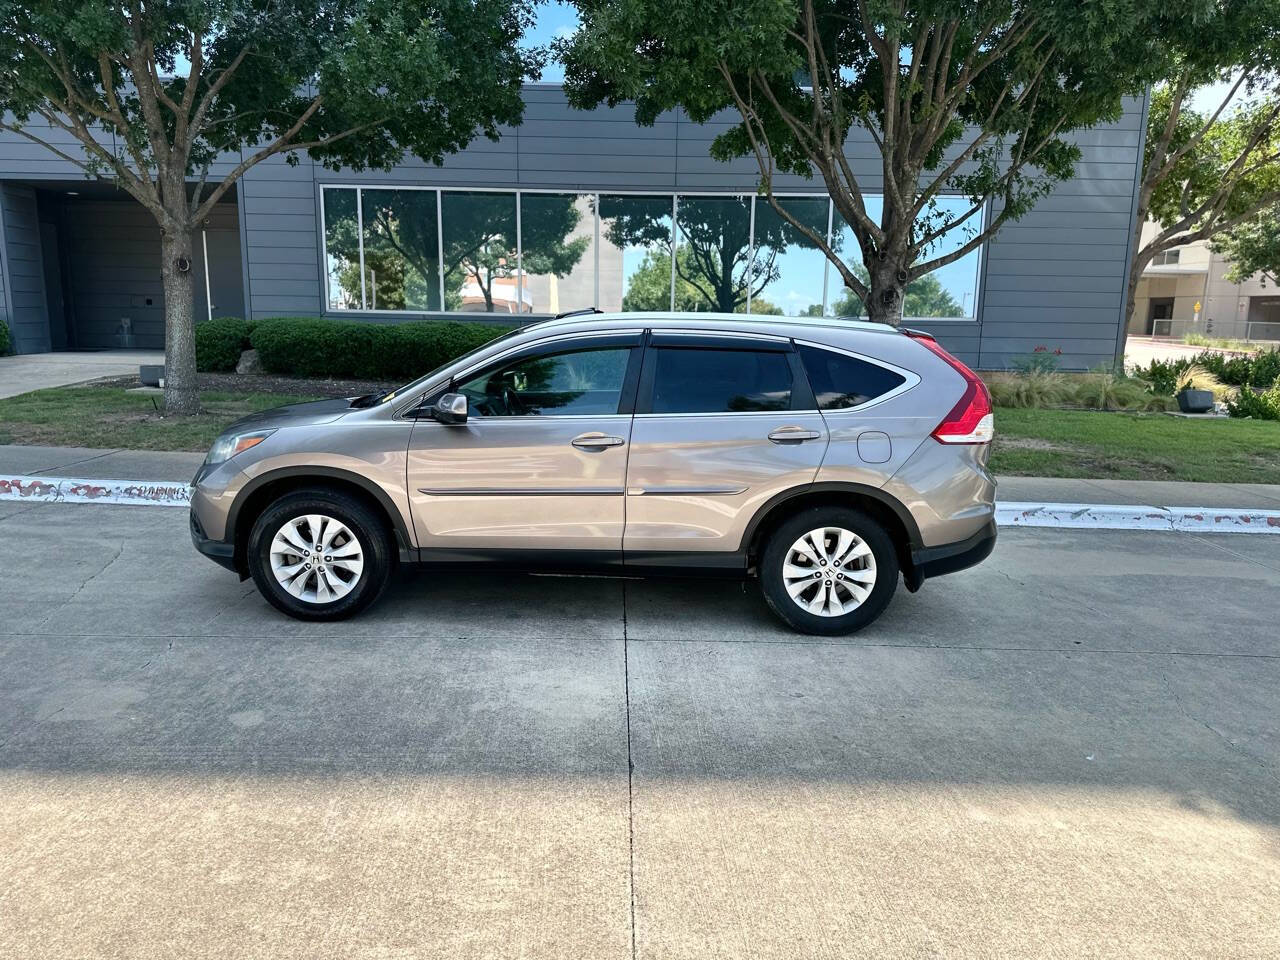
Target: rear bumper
{"points": [[929, 562], [223, 554]]}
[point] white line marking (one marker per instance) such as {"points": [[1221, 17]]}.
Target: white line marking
{"points": [[1061, 516]]}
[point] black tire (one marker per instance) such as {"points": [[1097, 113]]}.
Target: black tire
{"points": [[774, 586], [367, 528]]}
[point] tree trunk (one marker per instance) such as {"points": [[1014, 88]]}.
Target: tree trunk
{"points": [[180, 395], [887, 292], [1136, 266]]}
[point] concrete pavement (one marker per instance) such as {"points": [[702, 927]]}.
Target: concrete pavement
{"points": [[37, 371], [1070, 750]]}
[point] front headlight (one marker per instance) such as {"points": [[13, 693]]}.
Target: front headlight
{"points": [[228, 445]]}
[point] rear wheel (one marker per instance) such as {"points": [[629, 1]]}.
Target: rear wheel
{"points": [[319, 555], [829, 571]]}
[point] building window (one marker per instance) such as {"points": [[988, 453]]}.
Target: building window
{"points": [[713, 250], [401, 249], [1166, 257], [426, 250], [787, 266], [343, 287], [950, 292], [557, 252], [635, 252]]}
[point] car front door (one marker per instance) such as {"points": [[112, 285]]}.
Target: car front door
{"points": [[723, 423], [540, 463]]}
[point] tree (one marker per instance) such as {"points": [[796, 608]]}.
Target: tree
{"points": [[153, 93], [925, 297], [973, 98], [1253, 247], [1204, 173]]}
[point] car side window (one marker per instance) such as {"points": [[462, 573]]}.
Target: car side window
{"points": [[840, 381], [573, 383], [705, 380]]}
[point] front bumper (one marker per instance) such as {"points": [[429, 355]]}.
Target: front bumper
{"points": [[929, 562], [223, 554]]}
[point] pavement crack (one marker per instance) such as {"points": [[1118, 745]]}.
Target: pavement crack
{"points": [[101, 570], [1231, 744]]}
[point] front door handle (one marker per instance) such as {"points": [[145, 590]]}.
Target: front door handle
{"points": [[793, 435], [595, 441]]}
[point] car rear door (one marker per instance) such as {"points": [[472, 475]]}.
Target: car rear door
{"points": [[723, 423]]}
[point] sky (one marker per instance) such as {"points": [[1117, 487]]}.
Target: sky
{"points": [[555, 20]]}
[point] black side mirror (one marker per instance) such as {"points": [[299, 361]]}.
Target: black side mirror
{"points": [[450, 408]]}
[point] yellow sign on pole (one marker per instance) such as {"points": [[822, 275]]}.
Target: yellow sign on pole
{"points": [[1197, 306]]}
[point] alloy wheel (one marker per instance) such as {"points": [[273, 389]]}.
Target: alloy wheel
{"points": [[829, 571], [316, 558]]}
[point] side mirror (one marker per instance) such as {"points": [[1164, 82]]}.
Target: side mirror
{"points": [[450, 408]]}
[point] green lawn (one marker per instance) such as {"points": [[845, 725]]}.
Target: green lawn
{"points": [[1078, 443], [113, 417]]}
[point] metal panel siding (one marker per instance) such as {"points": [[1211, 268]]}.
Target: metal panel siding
{"points": [[1055, 273], [27, 312]]}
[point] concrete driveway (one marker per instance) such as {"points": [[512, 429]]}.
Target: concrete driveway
{"points": [[36, 371], [1070, 751]]}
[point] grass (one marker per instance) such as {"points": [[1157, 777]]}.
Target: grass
{"points": [[113, 417], [1080, 443]]}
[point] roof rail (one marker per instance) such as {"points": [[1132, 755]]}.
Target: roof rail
{"points": [[585, 311]]}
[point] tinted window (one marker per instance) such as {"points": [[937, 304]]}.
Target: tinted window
{"points": [[840, 381], [582, 382], [720, 381]]}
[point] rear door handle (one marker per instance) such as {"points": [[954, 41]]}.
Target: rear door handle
{"points": [[793, 435], [595, 441]]}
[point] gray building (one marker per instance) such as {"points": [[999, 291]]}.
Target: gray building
{"points": [[570, 209]]}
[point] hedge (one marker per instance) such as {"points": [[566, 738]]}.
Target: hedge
{"points": [[1253, 370], [4, 339], [220, 341], [316, 347]]}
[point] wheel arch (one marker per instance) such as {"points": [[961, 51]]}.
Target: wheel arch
{"points": [[892, 514], [262, 490]]}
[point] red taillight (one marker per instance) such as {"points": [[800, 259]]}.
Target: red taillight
{"points": [[970, 420]]}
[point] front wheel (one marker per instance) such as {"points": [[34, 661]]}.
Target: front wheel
{"points": [[319, 555], [829, 571]]}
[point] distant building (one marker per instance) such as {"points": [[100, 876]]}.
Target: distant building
{"points": [[1179, 279]]}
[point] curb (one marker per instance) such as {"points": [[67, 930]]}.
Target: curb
{"points": [[1111, 516], [1060, 516]]}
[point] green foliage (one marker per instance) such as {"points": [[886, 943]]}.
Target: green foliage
{"points": [[220, 341], [1108, 389], [317, 347], [1232, 168], [1257, 370], [1041, 359], [1253, 247], [999, 87], [1256, 404], [4, 339]]}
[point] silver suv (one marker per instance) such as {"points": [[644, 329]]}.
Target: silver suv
{"points": [[824, 457]]}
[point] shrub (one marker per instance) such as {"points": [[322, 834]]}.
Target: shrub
{"points": [[220, 341], [1109, 389], [1034, 389], [1163, 375], [1260, 405], [1265, 369], [315, 347], [1039, 360], [4, 339]]}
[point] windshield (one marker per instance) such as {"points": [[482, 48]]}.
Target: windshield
{"points": [[413, 385]]}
